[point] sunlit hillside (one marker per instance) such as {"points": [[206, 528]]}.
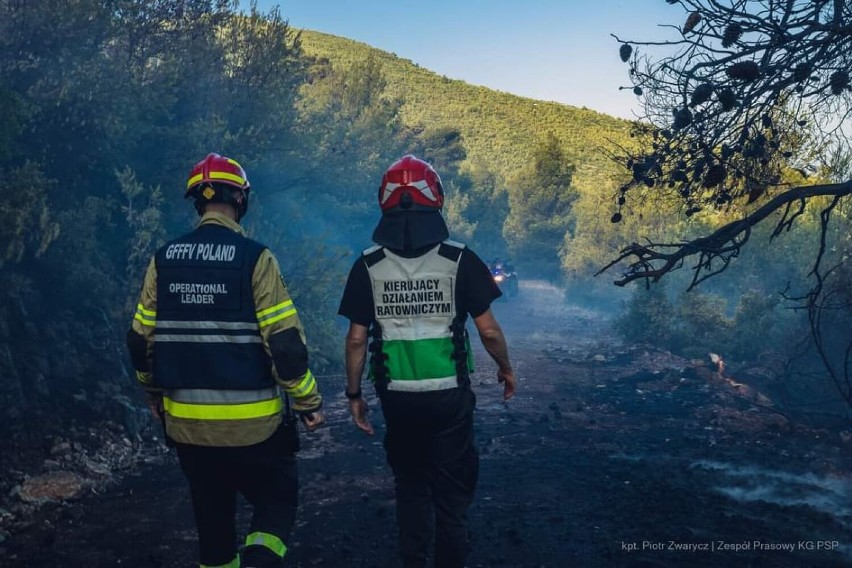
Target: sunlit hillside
{"points": [[499, 128]]}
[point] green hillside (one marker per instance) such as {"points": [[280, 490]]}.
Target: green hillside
{"points": [[499, 129]]}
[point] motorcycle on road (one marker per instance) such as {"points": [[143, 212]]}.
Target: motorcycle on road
{"points": [[506, 279]]}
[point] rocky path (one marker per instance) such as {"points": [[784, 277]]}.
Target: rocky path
{"points": [[608, 456]]}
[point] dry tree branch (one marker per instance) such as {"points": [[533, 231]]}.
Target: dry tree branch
{"points": [[649, 262]]}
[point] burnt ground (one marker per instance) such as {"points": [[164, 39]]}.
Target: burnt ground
{"points": [[609, 455]]}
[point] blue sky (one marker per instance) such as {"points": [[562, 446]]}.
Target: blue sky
{"points": [[555, 50]]}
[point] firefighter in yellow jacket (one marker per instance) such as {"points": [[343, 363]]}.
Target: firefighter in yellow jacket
{"points": [[214, 340]]}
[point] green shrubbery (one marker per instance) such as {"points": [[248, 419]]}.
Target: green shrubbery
{"points": [[694, 323], [648, 318]]}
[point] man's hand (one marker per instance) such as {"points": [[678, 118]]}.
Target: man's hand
{"points": [[359, 409], [312, 420], [494, 342], [507, 377], [356, 358]]}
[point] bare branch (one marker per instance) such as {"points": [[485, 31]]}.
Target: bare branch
{"points": [[650, 262]]}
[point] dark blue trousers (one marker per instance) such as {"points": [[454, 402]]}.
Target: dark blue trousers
{"points": [[430, 448], [265, 474]]}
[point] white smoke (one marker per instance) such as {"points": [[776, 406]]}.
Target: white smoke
{"points": [[829, 495]]}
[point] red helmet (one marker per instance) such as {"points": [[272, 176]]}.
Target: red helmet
{"points": [[214, 179], [410, 183]]}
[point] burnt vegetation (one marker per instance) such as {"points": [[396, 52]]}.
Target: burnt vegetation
{"points": [[746, 111]]}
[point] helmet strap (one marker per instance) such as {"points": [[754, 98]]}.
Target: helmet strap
{"points": [[240, 203], [221, 194]]}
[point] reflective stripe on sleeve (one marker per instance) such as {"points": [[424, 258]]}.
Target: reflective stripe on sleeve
{"points": [[268, 541], [222, 411], [275, 313], [304, 387], [145, 317]]}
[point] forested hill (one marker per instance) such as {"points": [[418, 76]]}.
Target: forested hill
{"points": [[499, 129]]}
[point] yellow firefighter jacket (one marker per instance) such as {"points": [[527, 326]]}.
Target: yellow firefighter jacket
{"points": [[216, 418]]}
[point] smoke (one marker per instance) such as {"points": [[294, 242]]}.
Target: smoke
{"points": [[541, 298], [542, 316], [829, 495]]}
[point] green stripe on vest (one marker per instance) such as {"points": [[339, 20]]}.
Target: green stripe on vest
{"points": [[420, 359]]}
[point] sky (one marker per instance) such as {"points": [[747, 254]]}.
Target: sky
{"points": [[552, 50]]}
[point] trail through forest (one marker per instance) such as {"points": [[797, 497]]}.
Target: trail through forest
{"points": [[609, 455]]}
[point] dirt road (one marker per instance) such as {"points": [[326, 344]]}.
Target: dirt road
{"points": [[609, 455]]}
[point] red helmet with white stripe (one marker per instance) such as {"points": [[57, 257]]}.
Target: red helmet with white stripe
{"points": [[217, 179], [411, 184]]}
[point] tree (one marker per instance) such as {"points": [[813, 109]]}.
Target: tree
{"points": [[351, 133], [540, 200], [443, 147], [27, 226], [746, 93], [103, 103], [488, 206]]}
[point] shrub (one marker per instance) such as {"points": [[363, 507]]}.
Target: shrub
{"points": [[649, 317]]}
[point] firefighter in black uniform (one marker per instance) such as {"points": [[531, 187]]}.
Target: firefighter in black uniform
{"points": [[411, 295], [214, 340]]}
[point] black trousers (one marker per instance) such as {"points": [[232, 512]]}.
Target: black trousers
{"points": [[265, 474], [430, 448]]}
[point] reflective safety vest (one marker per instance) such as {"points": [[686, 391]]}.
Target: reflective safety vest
{"points": [[208, 351], [419, 342]]}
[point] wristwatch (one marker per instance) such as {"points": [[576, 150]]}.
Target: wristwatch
{"points": [[353, 395]]}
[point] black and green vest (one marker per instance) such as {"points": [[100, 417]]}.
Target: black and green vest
{"points": [[419, 343]]}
